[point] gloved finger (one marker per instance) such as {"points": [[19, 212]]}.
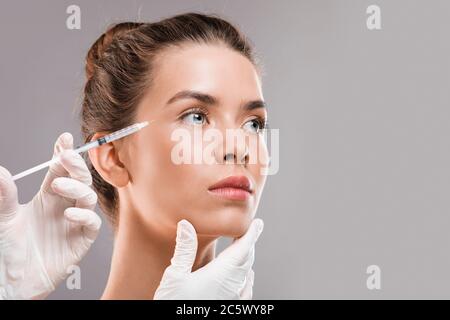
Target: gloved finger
{"points": [[247, 291], [8, 196], [75, 165], [83, 195], [86, 218], [64, 142], [236, 276], [249, 259], [185, 248], [238, 270], [239, 250]]}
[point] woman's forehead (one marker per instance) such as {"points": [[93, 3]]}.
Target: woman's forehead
{"points": [[203, 67]]}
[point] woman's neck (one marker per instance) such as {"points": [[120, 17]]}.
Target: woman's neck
{"points": [[140, 257]]}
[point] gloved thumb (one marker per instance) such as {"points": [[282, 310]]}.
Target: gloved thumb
{"points": [[241, 247], [8, 195], [185, 248]]}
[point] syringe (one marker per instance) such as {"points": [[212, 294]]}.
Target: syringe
{"points": [[90, 145]]}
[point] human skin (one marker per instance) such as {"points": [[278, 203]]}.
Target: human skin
{"points": [[154, 192]]}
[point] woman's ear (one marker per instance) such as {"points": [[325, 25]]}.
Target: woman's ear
{"points": [[105, 160]]}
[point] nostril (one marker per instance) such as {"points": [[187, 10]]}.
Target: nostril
{"points": [[246, 159], [229, 156]]}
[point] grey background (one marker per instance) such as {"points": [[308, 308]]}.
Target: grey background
{"points": [[364, 127]]}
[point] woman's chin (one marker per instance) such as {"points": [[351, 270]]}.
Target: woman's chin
{"points": [[229, 222]]}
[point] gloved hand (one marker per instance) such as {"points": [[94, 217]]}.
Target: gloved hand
{"points": [[228, 276], [41, 239]]}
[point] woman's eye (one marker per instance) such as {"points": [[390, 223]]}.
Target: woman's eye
{"points": [[253, 126], [195, 118]]}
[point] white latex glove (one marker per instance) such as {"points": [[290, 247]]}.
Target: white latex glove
{"points": [[229, 276], [41, 239]]}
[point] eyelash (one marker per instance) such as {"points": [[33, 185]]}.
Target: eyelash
{"points": [[262, 121], [195, 110]]}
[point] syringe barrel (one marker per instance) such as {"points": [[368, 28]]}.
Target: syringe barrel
{"points": [[87, 146], [120, 133]]}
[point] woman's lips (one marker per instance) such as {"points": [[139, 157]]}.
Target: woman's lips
{"points": [[233, 188]]}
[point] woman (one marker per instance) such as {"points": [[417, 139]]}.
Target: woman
{"points": [[184, 74], [188, 72]]}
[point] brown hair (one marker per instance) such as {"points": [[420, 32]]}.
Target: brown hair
{"points": [[119, 69]]}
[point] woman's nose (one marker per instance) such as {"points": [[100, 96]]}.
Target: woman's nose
{"points": [[234, 152]]}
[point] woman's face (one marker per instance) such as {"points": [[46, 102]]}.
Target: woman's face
{"points": [[197, 88]]}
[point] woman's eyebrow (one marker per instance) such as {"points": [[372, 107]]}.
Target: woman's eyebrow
{"points": [[251, 105], [190, 94], [211, 100]]}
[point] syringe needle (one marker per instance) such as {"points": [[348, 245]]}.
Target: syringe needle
{"points": [[93, 144]]}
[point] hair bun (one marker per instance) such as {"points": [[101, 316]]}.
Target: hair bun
{"points": [[97, 50]]}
